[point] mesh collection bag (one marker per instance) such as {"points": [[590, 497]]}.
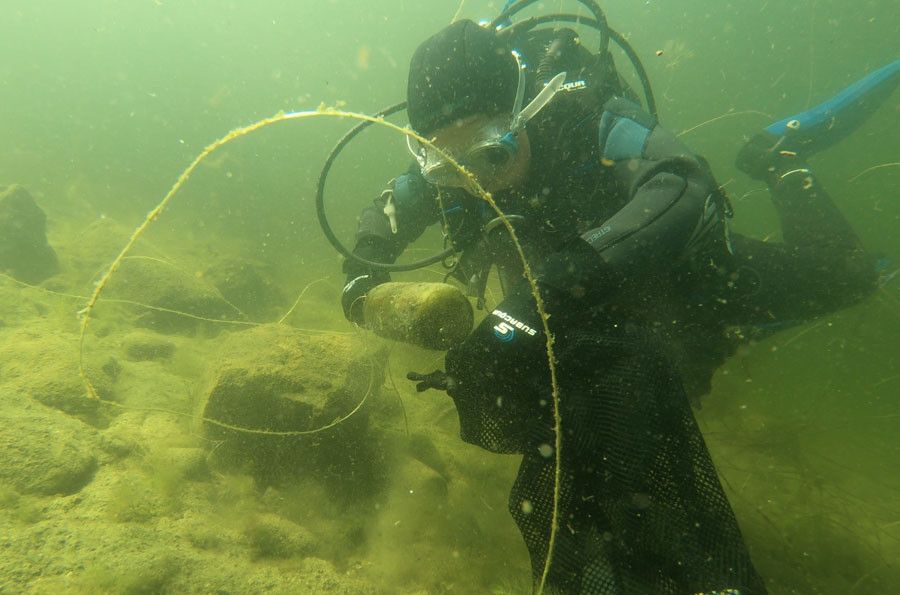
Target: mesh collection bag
{"points": [[641, 507]]}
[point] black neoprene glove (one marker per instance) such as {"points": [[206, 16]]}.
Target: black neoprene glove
{"points": [[353, 296], [506, 353], [361, 279]]}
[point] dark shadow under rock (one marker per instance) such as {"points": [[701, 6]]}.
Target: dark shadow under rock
{"points": [[141, 346]]}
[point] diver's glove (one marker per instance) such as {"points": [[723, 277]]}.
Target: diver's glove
{"points": [[362, 279], [353, 296], [507, 352], [575, 278], [757, 157], [437, 380]]}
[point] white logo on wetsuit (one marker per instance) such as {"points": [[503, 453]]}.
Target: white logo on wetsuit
{"points": [[592, 236], [574, 86], [506, 330]]}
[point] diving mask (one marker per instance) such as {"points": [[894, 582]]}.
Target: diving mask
{"points": [[492, 148]]}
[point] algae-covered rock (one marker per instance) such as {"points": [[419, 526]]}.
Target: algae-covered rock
{"points": [[185, 462], [42, 363], [181, 302], [247, 285], [142, 346], [271, 536], [19, 305], [24, 250], [94, 247], [43, 451], [276, 379]]}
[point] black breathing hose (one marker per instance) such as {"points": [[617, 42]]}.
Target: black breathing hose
{"points": [[617, 37], [323, 219], [599, 19]]}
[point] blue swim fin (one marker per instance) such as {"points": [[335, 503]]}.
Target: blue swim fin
{"points": [[823, 125]]}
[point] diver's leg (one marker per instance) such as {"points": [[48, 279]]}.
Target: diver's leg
{"points": [[819, 127], [821, 265], [808, 215]]}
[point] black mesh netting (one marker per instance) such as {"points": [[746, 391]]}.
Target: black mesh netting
{"points": [[641, 507]]}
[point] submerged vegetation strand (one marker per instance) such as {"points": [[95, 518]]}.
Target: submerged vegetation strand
{"points": [[324, 111], [874, 168]]}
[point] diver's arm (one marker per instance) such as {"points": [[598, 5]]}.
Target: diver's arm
{"points": [[397, 217], [673, 209], [673, 206], [411, 201], [506, 353]]}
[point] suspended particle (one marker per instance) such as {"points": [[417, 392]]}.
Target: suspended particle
{"points": [[546, 450], [659, 52], [794, 125], [526, 506], [363, 58]]}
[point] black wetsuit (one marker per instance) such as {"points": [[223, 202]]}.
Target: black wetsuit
{"points": [[641, 510]]}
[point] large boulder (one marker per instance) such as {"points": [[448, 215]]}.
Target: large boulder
{"points": [[88, 251], [43, 451], [41, 362], [179, 302], [277, 379], [247, 285], [24, 250]]}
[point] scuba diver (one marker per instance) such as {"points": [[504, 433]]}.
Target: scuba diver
{"points": [[626, 231]]}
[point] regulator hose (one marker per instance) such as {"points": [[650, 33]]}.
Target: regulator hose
{"points": [[615, 36], [599, 18], [323, 218]]}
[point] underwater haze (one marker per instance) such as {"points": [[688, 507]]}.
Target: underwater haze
{"points": [[125, 466]]}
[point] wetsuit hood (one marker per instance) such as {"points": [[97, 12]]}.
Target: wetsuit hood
{"points": [[461, 71]]}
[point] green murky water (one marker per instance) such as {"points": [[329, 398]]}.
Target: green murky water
{"points": [[103, 103]]}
